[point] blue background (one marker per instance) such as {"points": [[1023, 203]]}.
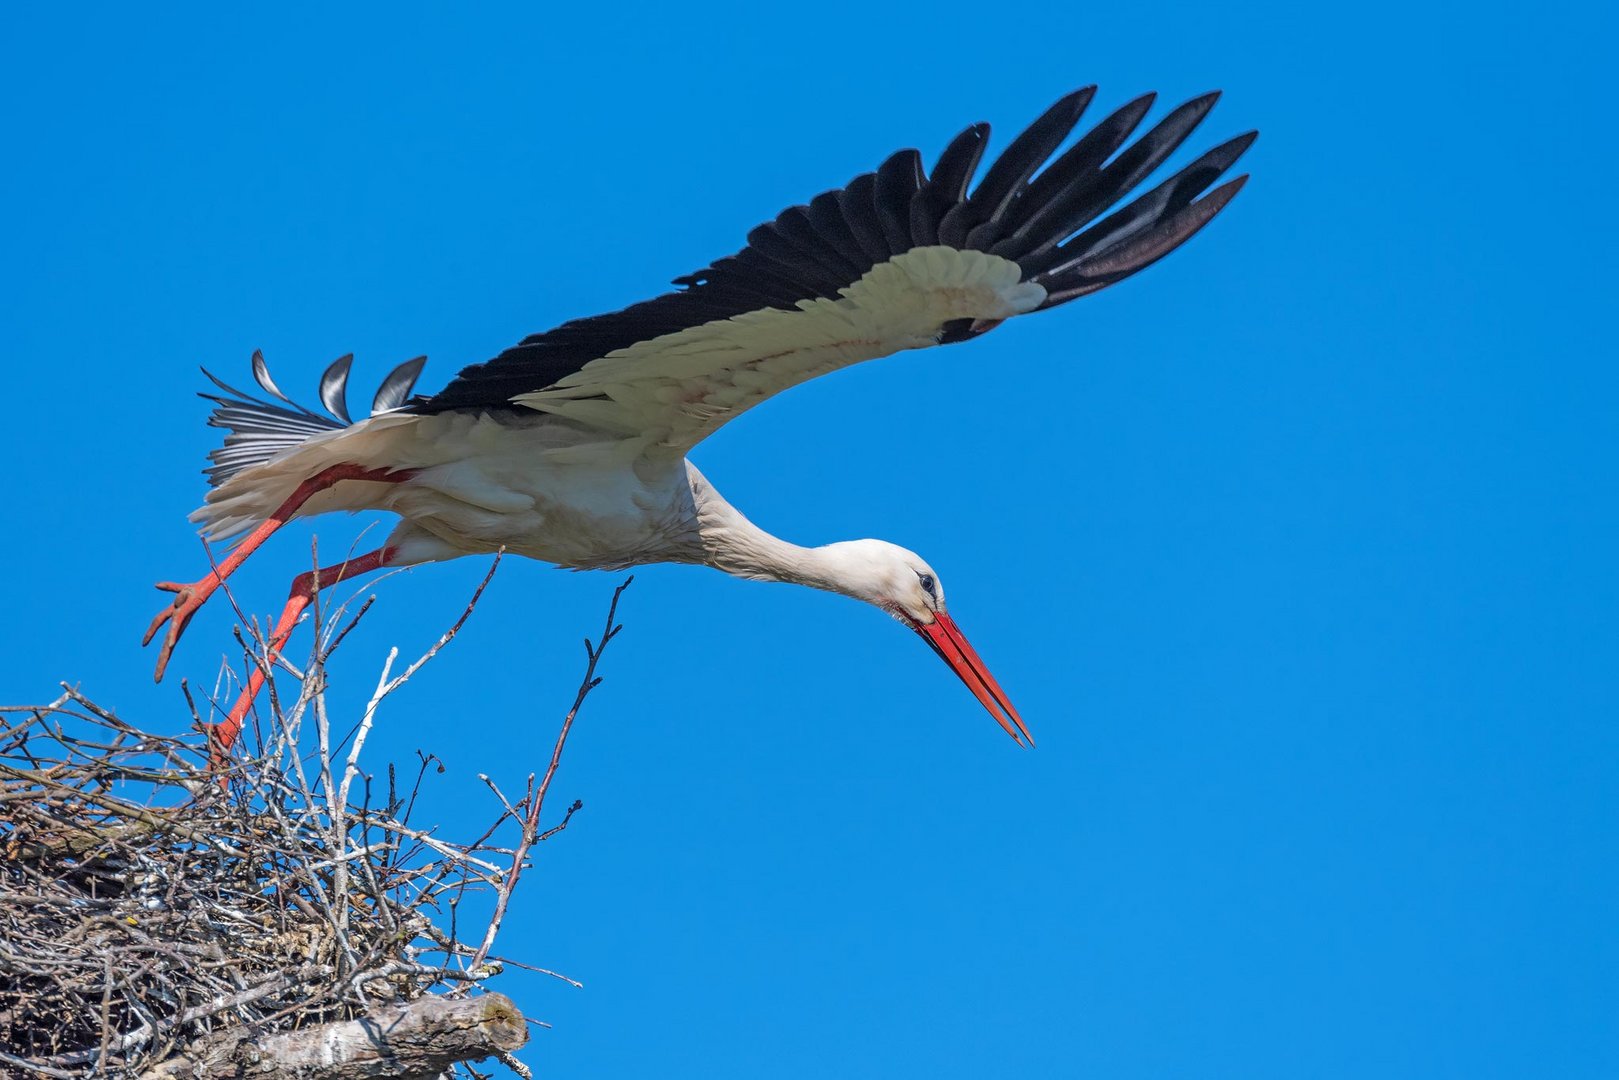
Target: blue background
{"points": [[1297, 551]]}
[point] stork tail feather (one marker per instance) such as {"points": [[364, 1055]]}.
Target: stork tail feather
{"points": [[258, 430]]}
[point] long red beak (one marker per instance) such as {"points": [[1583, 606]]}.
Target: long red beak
{"points": [[945, 638]]}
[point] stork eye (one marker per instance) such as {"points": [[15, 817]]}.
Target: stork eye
{"points": [[927, 583]]}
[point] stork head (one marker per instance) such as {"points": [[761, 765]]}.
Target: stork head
{"points": [[904, 585]]}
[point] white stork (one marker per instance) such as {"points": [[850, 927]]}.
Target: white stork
{"points": [[570, 447]]}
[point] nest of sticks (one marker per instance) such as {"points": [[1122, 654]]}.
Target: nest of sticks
{"points": [[159, 919]]}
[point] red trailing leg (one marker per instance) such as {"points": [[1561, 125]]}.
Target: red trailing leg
{"points": [[189, 598], [222, 736]]}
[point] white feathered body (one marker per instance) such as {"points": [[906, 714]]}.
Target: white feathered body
{"points": [[539, 486]]}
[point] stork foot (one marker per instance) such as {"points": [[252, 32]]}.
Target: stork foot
{"points": [[187, 600]]}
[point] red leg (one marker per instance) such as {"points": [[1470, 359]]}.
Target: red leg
{"points": [[304, 587], [189, 598]]}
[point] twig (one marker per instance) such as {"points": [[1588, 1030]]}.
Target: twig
{"points": [[536, 796]]}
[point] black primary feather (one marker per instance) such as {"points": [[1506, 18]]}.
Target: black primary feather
{"points": [[1088, 200], [898, 180], [1161, 202], [858, 202], [1062, 183], [1116, 263], [1044, 213], [983, 213]]}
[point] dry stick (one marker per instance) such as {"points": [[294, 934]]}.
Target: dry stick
{"points": [[536, 797], [30, 1066], [386, 686], [422, 1038], [578, 805]]}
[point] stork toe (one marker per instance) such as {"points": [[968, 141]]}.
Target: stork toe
{"points": [[177, 615]]}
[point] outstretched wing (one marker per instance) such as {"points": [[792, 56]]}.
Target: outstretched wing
{"points": [[898, 259]]}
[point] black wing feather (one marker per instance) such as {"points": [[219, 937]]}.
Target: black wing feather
{"points": [[1053, 191], [1110, 184], [1046, 220], [898, 179], [948, 185], [826, 217], [797, 229], [858, 202], [797, 263], [1163, 201], [1116, 263], [1011, 171]]}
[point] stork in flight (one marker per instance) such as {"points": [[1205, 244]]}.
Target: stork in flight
{"points": [[570, 447]]}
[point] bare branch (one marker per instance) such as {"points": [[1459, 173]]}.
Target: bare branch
{"points": [[536, 798], [423, 1038]]}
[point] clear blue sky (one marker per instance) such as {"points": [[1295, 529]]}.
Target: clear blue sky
{"points": [[1297, 551]]}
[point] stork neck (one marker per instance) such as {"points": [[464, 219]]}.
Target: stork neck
{"points": [[737, 546]]}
